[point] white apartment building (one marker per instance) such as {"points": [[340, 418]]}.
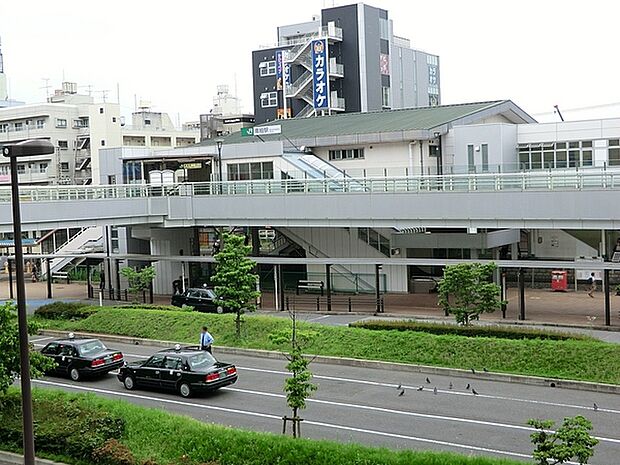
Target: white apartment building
{"points": [[79, 127]]}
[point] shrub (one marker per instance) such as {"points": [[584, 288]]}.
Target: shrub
{"points": [[65, 311], [169, 308], [470, 331], [113, 452]]}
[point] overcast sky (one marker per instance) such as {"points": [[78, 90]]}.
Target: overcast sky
{"points": [[537, 53]]}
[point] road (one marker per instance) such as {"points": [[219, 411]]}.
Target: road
{"points": [[362, 405]]}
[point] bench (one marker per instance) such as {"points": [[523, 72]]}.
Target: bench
{"points": [[62, 275], [309, 286]]}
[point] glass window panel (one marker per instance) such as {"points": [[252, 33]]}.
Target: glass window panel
{"points": [[573, 158], [485, 157], [268, 170], [560, 145], [524, 161], [536, 160], [573, 145], [470, 158], [586, 143], [548, 160], [614, 157], [586, 158], [614, 142], [244, 171], [255, 172], [560, 159]]}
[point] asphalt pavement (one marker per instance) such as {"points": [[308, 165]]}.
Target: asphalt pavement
{"points": [[362, 405]]}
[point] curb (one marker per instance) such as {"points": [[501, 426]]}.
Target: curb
{"points": [[362, 363], [9, 458]]}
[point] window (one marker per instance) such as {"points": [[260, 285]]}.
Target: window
{"points": [[147, 122], [269, 99], [63, 144], [267, 68], [249, 171], [101, 111], [21, 169], [19, 126], [4, 169], [42, 167], [103, 142], [156, 361], [64, 166], [4, 127], [61, 123], [114, 119], [549, 155], [173, 363], [346, 154], [385, 97], [485, 158], [40, 123], [471, 166], [614, 152]]}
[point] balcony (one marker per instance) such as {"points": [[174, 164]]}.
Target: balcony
{"points": [[336, 70], [336, 103]]}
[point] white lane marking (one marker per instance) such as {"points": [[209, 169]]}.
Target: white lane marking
{"points": [[317, 318], [404, 412], [42, 339], [279, 418], [391, 385]]}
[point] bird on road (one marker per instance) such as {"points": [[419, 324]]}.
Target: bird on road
{"points": [[473, 371], [421, 388], [435, 390], [450, 386], [428, 381], [399, 386], [474, 392], [467, 387], [595, 407], [402, 391]]}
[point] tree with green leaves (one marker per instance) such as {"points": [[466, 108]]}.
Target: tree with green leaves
{"points": [[298, 387], [571, 441], [9, 349], [235, 278], [467, 291], [138, 280]]}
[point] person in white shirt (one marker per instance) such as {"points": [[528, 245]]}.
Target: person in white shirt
{"points": [[205, 340]]}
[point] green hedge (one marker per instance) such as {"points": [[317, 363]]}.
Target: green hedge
{"points": [[65, 311], [154, 437], [586, 360], [470, 331]]}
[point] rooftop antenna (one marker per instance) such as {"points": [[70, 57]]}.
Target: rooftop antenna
{"points": [[557, 110]]}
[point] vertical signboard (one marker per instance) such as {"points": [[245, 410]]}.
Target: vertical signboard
{"points": [[279, 70], [287, 74], [320, 80]]}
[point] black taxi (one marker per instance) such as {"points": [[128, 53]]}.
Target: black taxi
{"points": [[79, 357], [187, 370]]}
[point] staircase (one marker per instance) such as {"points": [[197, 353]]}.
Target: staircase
{"points": [[86, 241]]}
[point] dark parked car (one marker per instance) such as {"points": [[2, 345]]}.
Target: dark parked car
{"points": [[77, 357], [203, 300], [187, 370]]}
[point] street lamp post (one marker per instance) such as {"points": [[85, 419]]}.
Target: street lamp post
{"points": [[14, 151], [219, 144]]}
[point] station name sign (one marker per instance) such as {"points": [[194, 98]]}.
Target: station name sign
{"points": [[262, 130]]}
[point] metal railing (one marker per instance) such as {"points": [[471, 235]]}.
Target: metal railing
{"points": [[539, 181]]}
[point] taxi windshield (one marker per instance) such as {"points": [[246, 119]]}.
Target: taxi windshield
{"points": [[201, 361], [91, 347]]}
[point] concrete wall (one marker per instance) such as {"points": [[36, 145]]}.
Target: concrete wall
{"points": [[559, 244], [169, 242], [105, 131], [501, 139]]}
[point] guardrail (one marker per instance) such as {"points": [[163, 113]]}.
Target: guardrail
{"points": [[488, 182]]}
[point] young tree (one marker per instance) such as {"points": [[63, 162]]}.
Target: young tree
{"points": [[571, 440], [467, 291], [9, 349], [298, 387], [138, 280], [234, 278]]}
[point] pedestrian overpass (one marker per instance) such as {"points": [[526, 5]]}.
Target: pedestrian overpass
{"points": [[552, 200]]}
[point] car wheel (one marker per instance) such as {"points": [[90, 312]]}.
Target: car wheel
{"points": [[74, 374], [185, 390], [219, 309], [129, 382]]}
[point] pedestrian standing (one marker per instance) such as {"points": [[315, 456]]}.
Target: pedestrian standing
{"points": [[592, 281], [35, 271], [206, 340]]}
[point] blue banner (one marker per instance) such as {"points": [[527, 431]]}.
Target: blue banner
{"points": [[320, 80], [279, 70], [287, 74]]}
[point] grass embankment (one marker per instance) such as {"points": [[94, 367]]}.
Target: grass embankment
{"points": [[585, 360], [140, 436]]}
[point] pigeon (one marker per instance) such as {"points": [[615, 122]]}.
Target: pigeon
{"points": [[467, 387], [421, 388], [595, 407], [473, 371], [399, 386], [485, 370], [474, 392], [450, 386], [435, 390], [428, 381], [401, 392]]}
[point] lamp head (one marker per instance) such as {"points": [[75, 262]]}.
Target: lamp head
{"points": [[28, 148]]}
